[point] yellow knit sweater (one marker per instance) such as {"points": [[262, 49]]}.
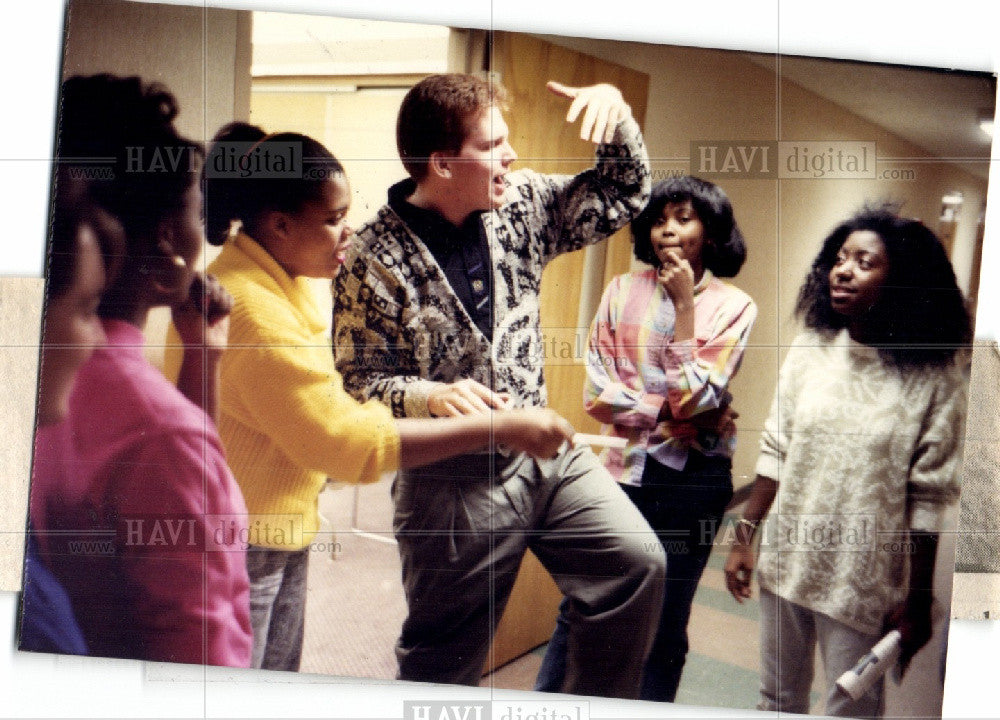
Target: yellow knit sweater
{"points": [[285, 420]]}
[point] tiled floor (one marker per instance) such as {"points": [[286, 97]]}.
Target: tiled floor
{"points": [[356, 606]]}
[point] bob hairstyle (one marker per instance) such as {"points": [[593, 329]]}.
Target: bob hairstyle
{"points": [[238, 185], [725, 250], [920, 317]]}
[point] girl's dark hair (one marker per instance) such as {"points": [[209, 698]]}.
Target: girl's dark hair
{"points": [[117, 137], [726, 252], [119, 132], [920, 318], [248, 172], [72, 207]]}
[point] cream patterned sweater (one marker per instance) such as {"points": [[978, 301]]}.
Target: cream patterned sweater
{"points": [[399, 328], [861, 452]]}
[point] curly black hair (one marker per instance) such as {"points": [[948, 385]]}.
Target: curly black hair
{"points": [[920, 318], [726, 252]]}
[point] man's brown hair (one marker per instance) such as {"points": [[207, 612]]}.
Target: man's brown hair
{"points": [[436, 113]]}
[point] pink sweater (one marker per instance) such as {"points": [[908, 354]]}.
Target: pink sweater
{"points": [[137, 513]]}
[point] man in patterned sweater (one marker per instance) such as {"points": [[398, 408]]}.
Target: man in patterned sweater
{"points": [[437, 314]]}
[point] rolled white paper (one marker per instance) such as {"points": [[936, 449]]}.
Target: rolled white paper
{"points": [[859, 679], [599, 440]]}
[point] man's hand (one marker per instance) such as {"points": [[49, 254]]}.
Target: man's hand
{"points": [[464, 397], [540, 432], [605, 108], [202, 319]]}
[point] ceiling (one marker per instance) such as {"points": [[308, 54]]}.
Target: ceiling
{"points": [[285, 44]]}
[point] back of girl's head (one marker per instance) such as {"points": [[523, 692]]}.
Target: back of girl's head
{"points": [[725, 253], [73, 208], [119, 132], [920, 317], [249, 172]]}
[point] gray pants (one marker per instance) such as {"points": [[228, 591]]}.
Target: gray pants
{"points": [[461, 539], [788, 637]]}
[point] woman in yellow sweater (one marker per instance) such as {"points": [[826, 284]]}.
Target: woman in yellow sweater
{"points": [[285, 420]]}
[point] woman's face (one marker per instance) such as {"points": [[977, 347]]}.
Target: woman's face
{"points": [[316, 238], [72, 328], [858, 274], [679, 230]]}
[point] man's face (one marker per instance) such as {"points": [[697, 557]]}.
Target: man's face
{"points": [[477, 173]]}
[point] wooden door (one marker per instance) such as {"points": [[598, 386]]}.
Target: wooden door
{"points": [[546, 143]]}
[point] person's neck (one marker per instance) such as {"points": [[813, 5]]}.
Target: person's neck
{"points": [[274, 246], [427, 199]]}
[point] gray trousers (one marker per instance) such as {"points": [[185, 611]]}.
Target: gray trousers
{"points": [[463, 526], [788, 637]]}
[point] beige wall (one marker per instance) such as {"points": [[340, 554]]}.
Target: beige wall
{"points": [[697, 94]]}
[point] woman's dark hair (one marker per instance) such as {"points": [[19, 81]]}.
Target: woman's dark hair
{"points": [[248, 172], [726, 252], [920, 318], [72, 209], [119, 133], [117, 136]]}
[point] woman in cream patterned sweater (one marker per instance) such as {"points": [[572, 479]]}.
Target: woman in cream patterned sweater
{"points": [[860, 455]]}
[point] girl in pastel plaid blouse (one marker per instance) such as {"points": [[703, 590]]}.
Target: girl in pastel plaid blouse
{"points": [[664, 345]]}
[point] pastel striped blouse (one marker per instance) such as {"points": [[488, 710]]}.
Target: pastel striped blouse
{"points": [[634, 366]]}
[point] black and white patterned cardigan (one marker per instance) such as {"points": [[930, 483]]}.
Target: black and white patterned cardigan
{"points": [[399, 329]]}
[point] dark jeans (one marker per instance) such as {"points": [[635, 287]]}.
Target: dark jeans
{"points": [[685, 509], [277, 606]]}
